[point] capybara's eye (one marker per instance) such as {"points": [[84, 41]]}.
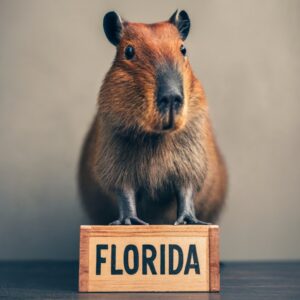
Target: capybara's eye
{"points": [[183, 50], [129, 52]]}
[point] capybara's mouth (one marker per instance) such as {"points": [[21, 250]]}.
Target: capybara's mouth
{"points": [[168, 120], [169, 125]]}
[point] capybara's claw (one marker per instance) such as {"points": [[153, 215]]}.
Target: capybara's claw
{"points": [[129, 221], [189, 219]]}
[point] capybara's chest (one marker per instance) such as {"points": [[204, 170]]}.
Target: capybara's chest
{"points": [[152, 165]]}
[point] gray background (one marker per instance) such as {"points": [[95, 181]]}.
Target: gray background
{"points": [[53, 56]]}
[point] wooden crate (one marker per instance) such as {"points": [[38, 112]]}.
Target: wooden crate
{"points": [[158, 258]]}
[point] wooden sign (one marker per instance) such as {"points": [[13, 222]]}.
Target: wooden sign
{"points": [[156, 258]]}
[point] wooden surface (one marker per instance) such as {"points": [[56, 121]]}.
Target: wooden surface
{"points": [[203, 238], [59, 280]]}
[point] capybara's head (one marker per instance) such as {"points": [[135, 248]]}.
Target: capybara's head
{"points": [[148, 87]]}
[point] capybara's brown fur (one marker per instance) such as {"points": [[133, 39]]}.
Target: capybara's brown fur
{"points": [[128, 147]]}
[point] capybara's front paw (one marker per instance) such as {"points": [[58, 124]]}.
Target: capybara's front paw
{"points": [[128, 221], [186, 218]]}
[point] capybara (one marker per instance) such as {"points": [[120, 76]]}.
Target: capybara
{"points": [[150, 155]]}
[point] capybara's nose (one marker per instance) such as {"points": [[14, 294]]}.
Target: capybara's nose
{"points": [[167, 102], [169, 94]]}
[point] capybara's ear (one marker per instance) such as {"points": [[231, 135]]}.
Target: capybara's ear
{"points": [[182, 21], [113, 27]]}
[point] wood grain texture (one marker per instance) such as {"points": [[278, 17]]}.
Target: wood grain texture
{"points": [[149, 230], [83, 261], [183, 236], [214, 259]]}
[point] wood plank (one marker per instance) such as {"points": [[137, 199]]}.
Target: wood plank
{"points": [[147, 230], [145, 258], [214, 259], [83, 261]]}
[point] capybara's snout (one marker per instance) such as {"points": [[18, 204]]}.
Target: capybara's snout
{"points": [[169, 96]]}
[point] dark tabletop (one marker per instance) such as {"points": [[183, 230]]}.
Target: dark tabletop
{"points": [[59, 280]]}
